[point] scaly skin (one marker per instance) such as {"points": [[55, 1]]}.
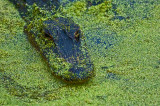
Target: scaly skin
{"points": [[59, 40]]}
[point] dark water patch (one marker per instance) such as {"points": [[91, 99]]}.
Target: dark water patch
{"points": [[108, 76], [101, 97], [111, 76], [107, 67], [101, 39], [157, 66], [119, 18], [136, 8], [158, 61], [93, 2], [116, 14]]}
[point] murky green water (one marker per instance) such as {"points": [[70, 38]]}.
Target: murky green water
{"points": [[125, 51]]}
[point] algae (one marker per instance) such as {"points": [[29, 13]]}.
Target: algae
{"points": [[132, 54]]}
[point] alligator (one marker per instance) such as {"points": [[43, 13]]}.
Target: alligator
{"points": [[59, 40]]}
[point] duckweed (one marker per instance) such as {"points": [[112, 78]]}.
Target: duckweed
{"points": [[133, 56]]}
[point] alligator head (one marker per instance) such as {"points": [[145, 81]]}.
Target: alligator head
{"points": [[63, 45]]}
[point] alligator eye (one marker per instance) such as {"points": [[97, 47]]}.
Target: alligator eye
{"points": [[77, 35], [48, 35]]}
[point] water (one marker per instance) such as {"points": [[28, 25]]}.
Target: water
{"points": [[125, 53]]}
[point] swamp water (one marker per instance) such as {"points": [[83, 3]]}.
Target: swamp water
{"points": [[124, 44]]}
